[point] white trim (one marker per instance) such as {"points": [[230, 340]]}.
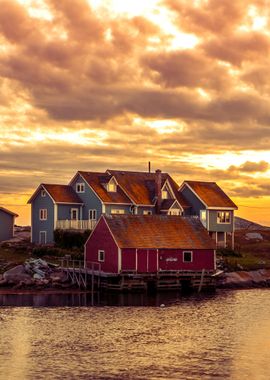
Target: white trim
{"points": [[166, 183], [193, 191], [69, 203], [41, 186], [115, 184], [39, 239], [223, 208], [92, 209], [147, 212], [80, 187], [119, 203], [113, 176], [157, 260], [79, 174], [208, 219], [225, 239], [103, 209], [114, 211], [44, 216], [55, 216], [136, 260], [119, 260], [230, 222], [183, 256], [43, 193], [77, 213], [99, 252]]}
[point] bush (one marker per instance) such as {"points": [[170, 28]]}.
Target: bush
{"points": [[70, 239], [57, 252], [227, 252]]}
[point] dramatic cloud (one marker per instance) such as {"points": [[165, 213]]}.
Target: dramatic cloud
{"points": [[87, 84]]}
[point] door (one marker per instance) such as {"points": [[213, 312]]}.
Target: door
{"points": [[43, 237], [142, 260], [152, 260]]}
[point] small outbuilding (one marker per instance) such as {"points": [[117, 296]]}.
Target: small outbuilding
{"points": [[7, 219], [150, 244]]}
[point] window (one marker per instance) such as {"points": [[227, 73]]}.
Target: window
{"points": [[187, 256], [101, 255], [74, 214], [224, 217], [203, 217], [174, 212], [147, 212], [117, 211], [43, 193], [92, 214], [43, 214], [80, 187], [164, 194], [111, 187]]}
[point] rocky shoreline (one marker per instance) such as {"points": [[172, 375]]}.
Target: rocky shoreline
{"points": [[245, 280]]}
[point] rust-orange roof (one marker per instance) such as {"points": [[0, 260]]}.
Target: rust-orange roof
{"points": [[8, 211], [62, 193], [211, 194], [98, 182], [140, 186], [159, 231]]}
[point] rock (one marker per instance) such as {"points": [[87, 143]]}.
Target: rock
{"points": [[253, 236], [16, 275]]}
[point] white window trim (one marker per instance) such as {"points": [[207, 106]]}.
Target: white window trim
{"points": [[43, 214], [43, 193], [175, 212], [163, 193], [41, 232], [218, 222], [114, 184], [80, 187], [101, 251], [185, 261], [77, 213], [95, 212]]}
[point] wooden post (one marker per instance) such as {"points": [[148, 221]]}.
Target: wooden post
{"points": [[201, 282]]}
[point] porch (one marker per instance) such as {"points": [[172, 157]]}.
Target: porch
{"points": [[75, 224]]}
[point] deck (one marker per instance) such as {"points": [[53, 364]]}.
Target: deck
{"points": [[91, 277]]}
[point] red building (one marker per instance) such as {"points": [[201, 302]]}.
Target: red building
{"points": [[150, 244]]}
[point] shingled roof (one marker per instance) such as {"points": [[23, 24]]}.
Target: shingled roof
{"points": [[140, 186], [98, 181], [158, 231], [210, 194], [59, 193], [8, 212]]}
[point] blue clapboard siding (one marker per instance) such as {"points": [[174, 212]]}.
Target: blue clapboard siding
{"points": [[196, 204], [42, 225], [89, 198], [220, 227], [6, 225], [64, 211]]}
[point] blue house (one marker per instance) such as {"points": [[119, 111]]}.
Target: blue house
{"points": [[78, 205], [214, 208], [7, 219]]}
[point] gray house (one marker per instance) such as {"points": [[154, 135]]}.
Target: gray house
{"points": [[80, 204], [214, 208], [7, 219]]}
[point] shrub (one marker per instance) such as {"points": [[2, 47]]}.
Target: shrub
{"points": [[227, 252], [70, 239]]}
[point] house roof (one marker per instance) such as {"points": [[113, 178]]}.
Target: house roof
{"points": [[59, 193], [140, 186], [211, 194], [8, 212], [158, 231], [98, 181]]}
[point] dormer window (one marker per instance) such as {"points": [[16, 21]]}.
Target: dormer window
{"points": [[165, 194], [80, 187], [111, 187]]}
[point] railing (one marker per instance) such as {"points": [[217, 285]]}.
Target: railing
{"points": [[75, 224]]}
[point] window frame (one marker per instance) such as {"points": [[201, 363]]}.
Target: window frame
{"points": [[114, 211], [77, 213], [92, 210], [162, 194], [114, 187], [101, 252], [43, 214], [80, 187], [43, 193], [219, 221], [191, 257], [147, 212]]}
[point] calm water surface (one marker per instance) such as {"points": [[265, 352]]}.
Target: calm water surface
{"points": [[221, 336]]}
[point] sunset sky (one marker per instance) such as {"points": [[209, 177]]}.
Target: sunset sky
{"points": [[91, 85]]}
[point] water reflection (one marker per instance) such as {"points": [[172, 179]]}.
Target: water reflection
{"points": [[219, 336], [96, 299]]}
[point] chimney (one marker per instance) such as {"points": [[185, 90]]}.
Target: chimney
{"points": [[158, 190], [149, 167]]}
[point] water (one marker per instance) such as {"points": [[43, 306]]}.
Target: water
{"points": [[221, 336]]}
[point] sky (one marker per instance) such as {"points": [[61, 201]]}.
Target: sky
{"points": [[96, 84]]}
